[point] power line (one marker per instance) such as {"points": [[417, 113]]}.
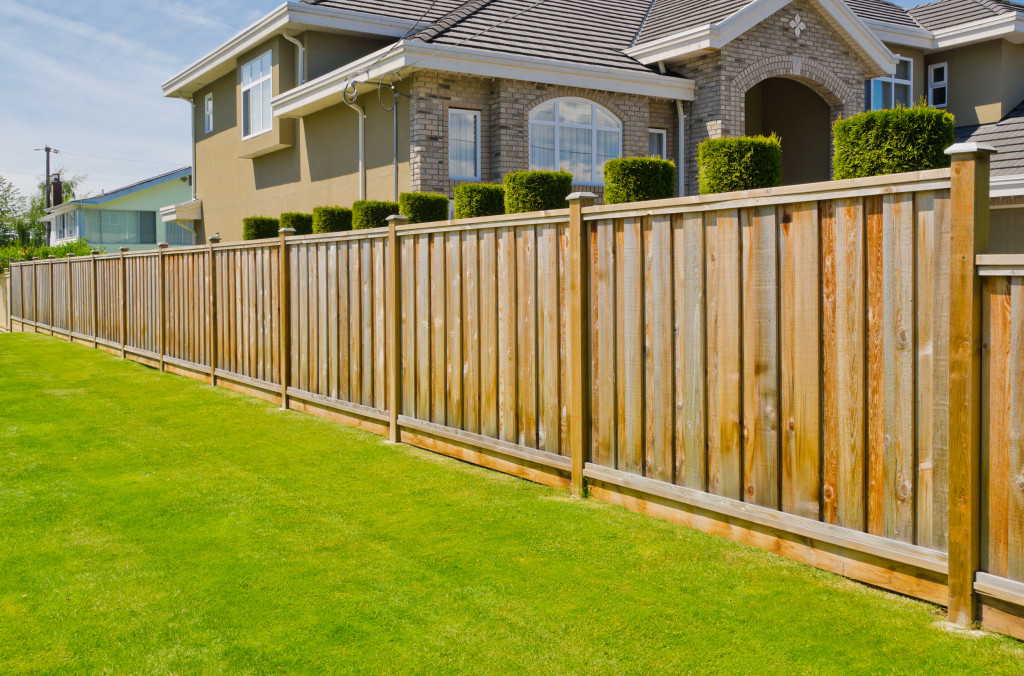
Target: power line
{"points": [[122, 159]]}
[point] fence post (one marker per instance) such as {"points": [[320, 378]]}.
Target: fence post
{"points": [[124, 304], [394, 300], [211, 280], [21, 293], [49, 265], [286, 327], [579, 339], [161, 247], [969, 197], [70, 297], [35, 296], [95, 303]]}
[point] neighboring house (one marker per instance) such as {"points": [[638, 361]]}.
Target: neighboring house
{"points": [[129, 216], [327, 101]]}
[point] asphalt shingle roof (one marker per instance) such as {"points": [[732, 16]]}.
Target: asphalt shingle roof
{"points": [[882, 10], [1006, 135], [947, 13], [668, 17], [410, 10]]}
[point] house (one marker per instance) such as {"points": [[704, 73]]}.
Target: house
{"points": [[129, 216], [329, 101]]}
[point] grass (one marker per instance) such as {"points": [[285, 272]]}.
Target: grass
{"points": [[152, 524]]}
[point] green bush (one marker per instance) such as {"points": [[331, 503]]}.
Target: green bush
{"points": [[423, 207], [637, 179], [891, 142], [479, 199], [743, 163], [16, 252], [331, 219], [302, 223], [372, 214], [259, 227], [536, 190]]}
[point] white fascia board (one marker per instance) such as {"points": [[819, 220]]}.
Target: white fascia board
{"points": [[715, 36], [291, 16], [1006, 185], [184, 212], [908, 36], [408, 57], [1009, 26]]}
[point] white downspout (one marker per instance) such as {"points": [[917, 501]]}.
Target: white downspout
{"points": [[299, 59], [681, 170], [362, 147]]}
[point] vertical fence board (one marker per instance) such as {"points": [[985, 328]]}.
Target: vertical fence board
{"points": [[691, 413], [489, 310]]}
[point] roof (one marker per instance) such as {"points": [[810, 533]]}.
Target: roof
{"points": [[883, 11], [410, 10], [134, 187], [947, 13], [669, 17], [1006, 135]]}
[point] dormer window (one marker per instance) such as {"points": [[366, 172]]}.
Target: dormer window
{"points": [[894, 90], [257, 88]]}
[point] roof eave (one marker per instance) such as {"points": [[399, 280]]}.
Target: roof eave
{"points": [[292, 17], [1009, 26], [909, 36]]}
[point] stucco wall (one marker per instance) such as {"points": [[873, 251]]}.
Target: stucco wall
{"points": [[975, 91]]}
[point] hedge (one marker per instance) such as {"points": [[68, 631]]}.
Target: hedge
{"points": [[372, 213], [479, 199], [423, 207], [331, 219], [637, 179], [742, 163], [536, 190], [259, 227], [891, 142], [302, 223]]}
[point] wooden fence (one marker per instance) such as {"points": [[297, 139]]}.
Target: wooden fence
{"points": [[772, 366], [5, 302]]}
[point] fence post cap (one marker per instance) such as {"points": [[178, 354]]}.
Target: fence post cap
{"points": [[51, 256], [125, 249], [71, 254], [162, 245], [94, 252], [581, 196], [284, 232], [970, 148], [215, 238], [397, 219]]}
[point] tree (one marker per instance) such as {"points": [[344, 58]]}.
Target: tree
{"points": [[12, 208]]}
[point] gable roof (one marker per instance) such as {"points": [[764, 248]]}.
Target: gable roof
{"points": [[138, 186], [1006, 135], [948, 13]]}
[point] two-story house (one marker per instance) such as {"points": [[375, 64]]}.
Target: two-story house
{"points": [[329, 101]]}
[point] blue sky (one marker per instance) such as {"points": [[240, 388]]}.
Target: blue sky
{"points": [[84, 77]]}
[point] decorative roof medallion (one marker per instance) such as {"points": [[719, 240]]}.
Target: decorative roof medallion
{"points": [[797, 24]]}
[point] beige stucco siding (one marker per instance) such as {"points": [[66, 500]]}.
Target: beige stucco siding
{"points": [[975, 91]]}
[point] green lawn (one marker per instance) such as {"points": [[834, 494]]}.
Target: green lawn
{"points": [[152, 524]]}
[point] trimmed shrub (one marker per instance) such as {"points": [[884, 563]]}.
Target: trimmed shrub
{"points": [[423, 207], [303, 223], [331, 219], [479, 199], [743, 163], [891, 142], [638, 179], [536, 190], [372, 213], [259, 227]]}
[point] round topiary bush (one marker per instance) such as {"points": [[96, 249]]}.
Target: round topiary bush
{"points": [[372, 213], [637, 179], [743, 163], [536, 190], [302, 223], [259, 227], [423, 207], [479, 199], [891, 142], [331, 219]]}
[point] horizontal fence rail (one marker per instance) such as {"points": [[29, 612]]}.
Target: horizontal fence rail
{"points": [[773, 366]]}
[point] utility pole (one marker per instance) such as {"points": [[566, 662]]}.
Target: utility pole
{"points": [[46, 184]]}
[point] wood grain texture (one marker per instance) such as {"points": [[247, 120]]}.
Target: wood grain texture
{"points": [[691, 404]]}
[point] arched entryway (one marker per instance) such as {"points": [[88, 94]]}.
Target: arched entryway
{"points": [[801, 118]]}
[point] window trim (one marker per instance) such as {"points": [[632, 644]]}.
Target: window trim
{"points": [[479, 164], [663, 133], [269, 77], [893, 80], [208, 113], [593, 127], [944, 84]]}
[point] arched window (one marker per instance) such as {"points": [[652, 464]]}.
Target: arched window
{"points": [[576, 135]]}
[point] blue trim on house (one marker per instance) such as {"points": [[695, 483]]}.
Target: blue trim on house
{"points": [[135, 187]]}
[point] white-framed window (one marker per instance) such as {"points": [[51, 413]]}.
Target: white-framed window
{"points": [[257, 88], [464, 144], [894, 90], [657, 143], [938, 79], [208, 112], [576, 135]]}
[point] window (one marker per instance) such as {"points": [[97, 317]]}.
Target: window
{"points": [[120, 227], [177, 234], [656, 143], [257, 87], [464, 144], [938, 78], [208, 112], [892, 91], [575, 135]]}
